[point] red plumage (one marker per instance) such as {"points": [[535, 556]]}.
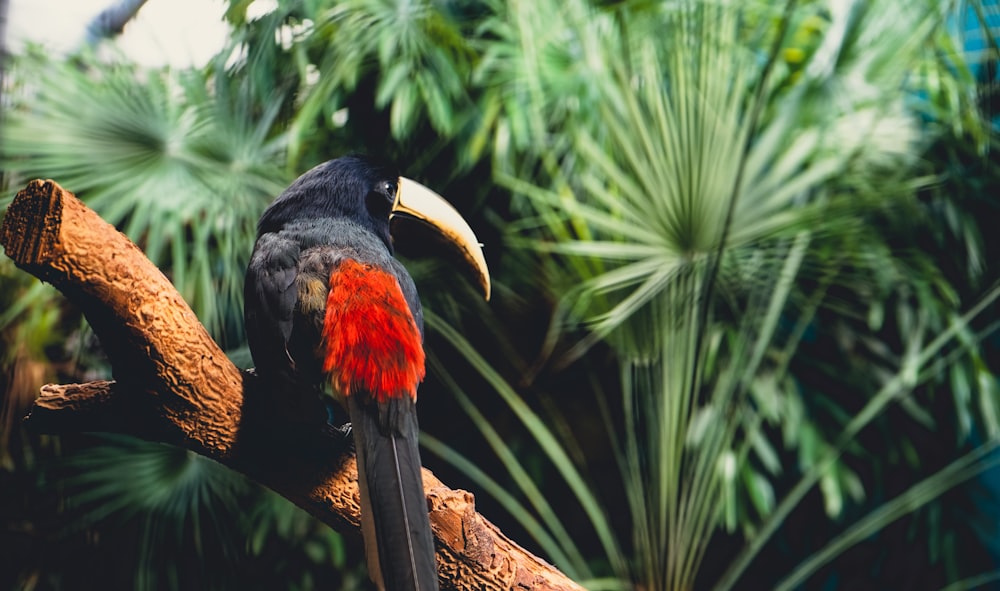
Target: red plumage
{"points": [[372, 341]]}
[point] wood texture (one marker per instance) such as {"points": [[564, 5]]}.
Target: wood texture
{"points": [[173, 384]]}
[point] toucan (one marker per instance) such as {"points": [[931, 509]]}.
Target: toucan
{"points": [[329, 308]]}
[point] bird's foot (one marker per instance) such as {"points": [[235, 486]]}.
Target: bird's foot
{"points": [[345, 432], [341, 430]]}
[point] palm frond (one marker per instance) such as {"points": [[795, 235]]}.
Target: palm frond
{"points": [[182, 173]]}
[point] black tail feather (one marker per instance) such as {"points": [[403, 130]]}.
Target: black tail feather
{"points": [[398, 540]]}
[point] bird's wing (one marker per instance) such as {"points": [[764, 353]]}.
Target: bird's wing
{"points": [[271, 296]]}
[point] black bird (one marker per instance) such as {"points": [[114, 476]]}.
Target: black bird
{"points": [[328, 305]]}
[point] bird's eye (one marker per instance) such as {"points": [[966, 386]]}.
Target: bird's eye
{"points": [[379, 201]]}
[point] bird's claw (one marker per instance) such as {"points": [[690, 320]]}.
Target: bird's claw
{"points": [[344, 430]]}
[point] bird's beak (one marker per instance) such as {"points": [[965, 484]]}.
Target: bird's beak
{"points": [[417, 201]]}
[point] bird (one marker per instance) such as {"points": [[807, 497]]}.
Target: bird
{"points": [[328, 306]]}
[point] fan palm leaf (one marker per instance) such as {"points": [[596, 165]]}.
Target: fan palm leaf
{"points": [[183, 173]]}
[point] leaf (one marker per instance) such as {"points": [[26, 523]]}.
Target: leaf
{"points": [[403, 110]]}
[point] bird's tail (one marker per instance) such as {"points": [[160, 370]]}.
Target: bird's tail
{"points": [[394, 520]]}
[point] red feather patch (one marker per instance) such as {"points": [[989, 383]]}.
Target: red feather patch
{"points": [[372, 341]]}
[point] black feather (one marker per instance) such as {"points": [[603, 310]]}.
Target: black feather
{"points": [[338, 188], [270, 296], [389, 478]]}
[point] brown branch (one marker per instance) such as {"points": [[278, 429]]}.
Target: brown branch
{"points": [[173, 384]]}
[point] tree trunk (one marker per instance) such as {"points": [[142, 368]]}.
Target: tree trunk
{"points": [[112, 20]]}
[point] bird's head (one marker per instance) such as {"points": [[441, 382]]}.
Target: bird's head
{"points": [[370, 194]]}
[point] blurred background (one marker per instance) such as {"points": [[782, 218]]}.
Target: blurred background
{"points": [[744, 324]]}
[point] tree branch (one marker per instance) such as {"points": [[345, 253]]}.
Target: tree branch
{"points": [[112, 20], [173, 384]]}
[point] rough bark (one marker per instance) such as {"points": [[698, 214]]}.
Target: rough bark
{"points": [[173, 384]]}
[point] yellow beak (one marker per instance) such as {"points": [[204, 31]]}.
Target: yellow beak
{"points": [[417, 201]]}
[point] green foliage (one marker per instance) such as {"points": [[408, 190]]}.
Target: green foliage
{"points": [[180, 170], [666, 191], [162, 486], [152, 504]]}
